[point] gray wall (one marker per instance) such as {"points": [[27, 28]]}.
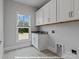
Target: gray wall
{"points": [[12, 8], [66, 34]]}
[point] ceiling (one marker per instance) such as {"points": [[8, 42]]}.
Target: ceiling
{"points": [[33, 3]]}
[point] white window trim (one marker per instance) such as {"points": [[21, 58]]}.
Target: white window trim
{"points": [[17, 40], [27, 40]]}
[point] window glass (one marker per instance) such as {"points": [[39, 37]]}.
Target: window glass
{"points": [[23, 24]]}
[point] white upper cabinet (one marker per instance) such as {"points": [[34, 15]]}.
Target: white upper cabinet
{"points": [[76, 9], [39, 17], [46, 13], [58, 11], [65, 10], [52, 11]]}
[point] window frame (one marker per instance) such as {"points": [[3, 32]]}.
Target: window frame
{"points": [[29, 27]]}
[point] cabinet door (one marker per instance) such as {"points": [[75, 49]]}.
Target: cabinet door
{"points": [[36, 41], [76, 9], [64, 10], [52, 11], [43, 41], [39, 17], [46, 14], [33, 39]]}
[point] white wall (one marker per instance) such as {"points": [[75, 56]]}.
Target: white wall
{"points": [[11, 8], [66, 34]]}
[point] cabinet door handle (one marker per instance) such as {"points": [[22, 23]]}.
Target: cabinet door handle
{"points": [[71, 14], [48, 19]]}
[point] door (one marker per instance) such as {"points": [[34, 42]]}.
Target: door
{"points": [[52, 11], [76, 9], [1, 29], [64, 10]]}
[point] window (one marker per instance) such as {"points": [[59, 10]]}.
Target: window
{"points": [[23, 26]]}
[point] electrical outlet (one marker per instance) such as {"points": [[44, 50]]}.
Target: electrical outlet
{"points": [[53, 31]]}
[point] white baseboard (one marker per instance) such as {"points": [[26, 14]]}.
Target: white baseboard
{"points": [[16, 47], [52, 49]]}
